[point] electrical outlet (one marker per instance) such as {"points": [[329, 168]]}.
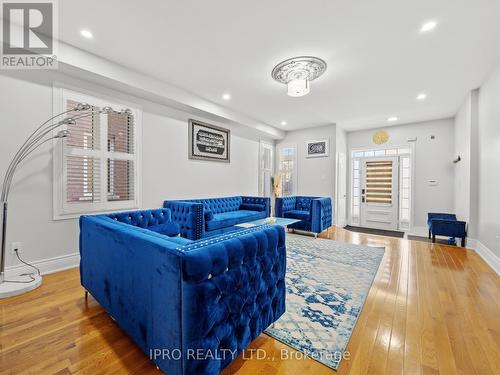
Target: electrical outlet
{"points": [[16, 246]]}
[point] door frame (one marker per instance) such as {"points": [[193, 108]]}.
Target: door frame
{"points": [[341, 218], [350, 159]]}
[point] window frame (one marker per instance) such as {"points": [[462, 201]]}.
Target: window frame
{"points": [[64, 210], [262, 170], [280, 147]]}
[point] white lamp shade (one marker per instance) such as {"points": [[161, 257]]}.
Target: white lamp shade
{"points": [[298, 87]]}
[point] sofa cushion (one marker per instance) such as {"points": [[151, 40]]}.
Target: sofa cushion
{"points": [[208, 215], [168, 229], [253, 207], [227, 219], [297, 214], [219, 205], [303, 203], [432, 215]]}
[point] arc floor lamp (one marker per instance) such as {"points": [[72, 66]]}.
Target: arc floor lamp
{"points": [[46, 132]]}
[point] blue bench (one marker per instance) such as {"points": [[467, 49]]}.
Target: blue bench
{"points": [[442, 224]]}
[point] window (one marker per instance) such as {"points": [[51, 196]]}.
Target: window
{"points": [[404, 192], [96, 166], [356, 192], [288, 168]]}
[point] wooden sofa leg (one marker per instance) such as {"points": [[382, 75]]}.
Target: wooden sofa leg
{"points": [[463, 241], [429, 234], [433, 238]]}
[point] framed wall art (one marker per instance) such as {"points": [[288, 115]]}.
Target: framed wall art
{"points": [[209, 142], [317, 149]]}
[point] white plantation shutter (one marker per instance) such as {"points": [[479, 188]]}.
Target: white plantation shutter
{"points": [[120, 163], [83, 175], [82, 163], [98, 165]]}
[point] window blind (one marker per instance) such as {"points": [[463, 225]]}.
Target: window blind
{"points": [[83, 177], [379, 182]]}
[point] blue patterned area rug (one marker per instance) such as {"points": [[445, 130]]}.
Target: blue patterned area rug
{"points": [[327, 284]]}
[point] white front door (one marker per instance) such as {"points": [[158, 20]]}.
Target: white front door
{"points": [[379, 193]]}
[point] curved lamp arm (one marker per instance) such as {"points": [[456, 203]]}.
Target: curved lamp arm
{"points": [[33, 142], [33, 138]]}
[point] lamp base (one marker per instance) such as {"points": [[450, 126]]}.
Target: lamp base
{"points": [[8, 289]]}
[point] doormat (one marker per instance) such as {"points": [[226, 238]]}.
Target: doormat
{"points": [[378, 232]]}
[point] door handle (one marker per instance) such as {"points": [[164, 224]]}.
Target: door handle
{"points": [[362, 199]]}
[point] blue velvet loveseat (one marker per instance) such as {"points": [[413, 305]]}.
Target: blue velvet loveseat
{"points": [[314, 213], [207, 217], [443, 224], [191, 306]]}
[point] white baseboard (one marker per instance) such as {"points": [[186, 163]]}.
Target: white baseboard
{"points": [[488, 256], [46, 266], [418, 231]]}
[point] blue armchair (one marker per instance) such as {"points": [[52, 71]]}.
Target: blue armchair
{"points": [[200, 218], [191, 306], [315, 213], [441, 224]]}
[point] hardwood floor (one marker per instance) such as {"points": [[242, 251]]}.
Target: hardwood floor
{"points": [[433, 309]]}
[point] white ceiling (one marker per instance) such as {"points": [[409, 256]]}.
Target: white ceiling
{"points": [[377, 60]]}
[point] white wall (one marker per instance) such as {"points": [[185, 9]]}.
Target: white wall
{"points": [[166, 170], [168, 173], [466, 171], [315, 176], [341, 181], [462, 147], [489, 164], [433, 161]]}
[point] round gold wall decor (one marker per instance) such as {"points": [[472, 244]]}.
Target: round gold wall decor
{"points": [[380, 137]]}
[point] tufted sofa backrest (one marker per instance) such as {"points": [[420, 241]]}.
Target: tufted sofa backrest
{"points": [[144, 218], [219, 205], [303, 203], [233, 288]]}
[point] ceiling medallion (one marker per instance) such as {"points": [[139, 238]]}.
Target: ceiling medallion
{"points": [[297, 72]]}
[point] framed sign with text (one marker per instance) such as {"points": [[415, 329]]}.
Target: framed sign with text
{"points": [[317, 149], [208, 142]]}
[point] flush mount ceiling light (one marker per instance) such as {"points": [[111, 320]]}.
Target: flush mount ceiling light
{"points": [[422, 96], [226, 96], [428, 26], [297, 72], [283, 123], [86, 34], [392, 119]]}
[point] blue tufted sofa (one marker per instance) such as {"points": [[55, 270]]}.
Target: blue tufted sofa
{"points": [[442, 224], [191, 306], [315, 213], [207, 217]]}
